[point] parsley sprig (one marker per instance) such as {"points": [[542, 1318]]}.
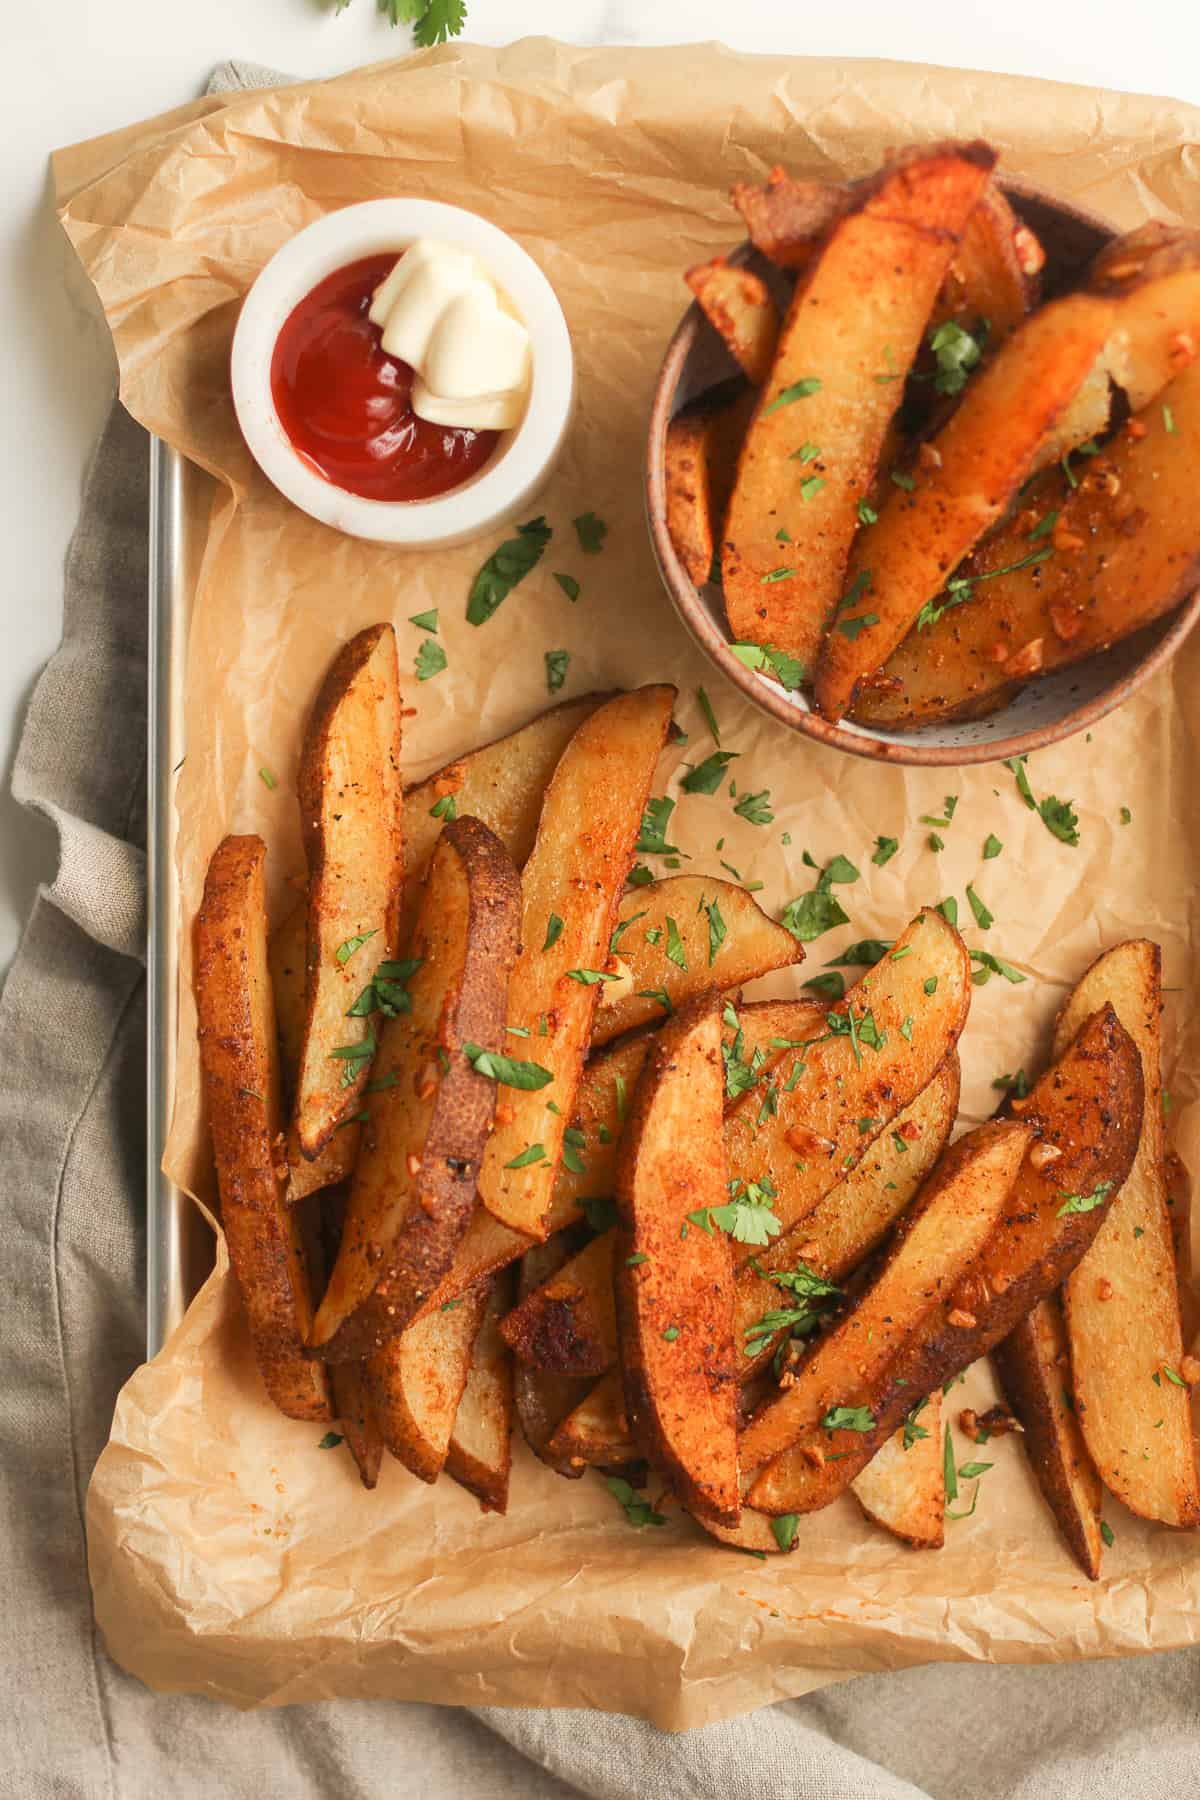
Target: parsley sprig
{"points": [[433, 21]]}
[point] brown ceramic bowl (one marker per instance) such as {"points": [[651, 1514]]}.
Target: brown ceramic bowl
{"points": [[1044, 711]]}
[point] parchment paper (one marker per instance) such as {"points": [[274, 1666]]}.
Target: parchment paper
{"points": [[229, 1554]]}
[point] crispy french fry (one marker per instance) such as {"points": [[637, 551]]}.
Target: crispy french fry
{"points": [[1034, 1366], [849, 340], [480, 1453], [673, 1273], [679, 936], [938, 1239], [1088, 1107], [589, 824], [431, 1113], [962, 484], [239, 1063], [737, 304], [1122, 1302], [904, 1487], [417, 1380], [350, 799]]}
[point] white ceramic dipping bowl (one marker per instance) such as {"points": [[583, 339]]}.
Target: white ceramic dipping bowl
{"points": [[524, 456]]}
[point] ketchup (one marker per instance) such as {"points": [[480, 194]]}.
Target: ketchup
{"points": [[345, 405]]}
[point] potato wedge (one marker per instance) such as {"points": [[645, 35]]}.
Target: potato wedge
{"points": [[860, 314], [1034, 1366], [700, 455], [786, 218], [936, 1241], [679, 936], [738, 306], [285, 956], [904, 1487], [969, 475], [674, 1274], [430, 1116], [1153, 274], [1122, 1302], [502, 783], [1088, 1107], [754, 1533], [542, 1400], [828, 1103], [480, 1453], [356, 1416], [417, 1381], [589, 824], [568, 1325], [596, 1433], [239, 1066], [350, 798], [854, 1216], [1124, 550]]}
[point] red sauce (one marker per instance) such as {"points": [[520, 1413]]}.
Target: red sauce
{"points": [[345, 404]]}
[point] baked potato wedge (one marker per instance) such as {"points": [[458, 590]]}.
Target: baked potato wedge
{"points": [[431, 1112], [1091, 556], [904, 1487], [356, 1415], [595, 1434], [859, 315], [786, 218], [285, 955], [417, 1380], [680, 936], [543, 1401], [824, 1106], [1122, 1302], [568, 1325], [936, 1241], [739, 307], [571, 885], [1153, 275], [502, 784], [673, 1270], [962, 484], [1087, 1108], [480, 1453], [350, 820], [1034, 1366], [700, 456], [239, 1067]]}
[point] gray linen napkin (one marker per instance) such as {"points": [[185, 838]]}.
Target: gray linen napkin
{"points": [[72, 1029]]}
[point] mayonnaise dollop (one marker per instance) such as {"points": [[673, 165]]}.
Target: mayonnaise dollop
{"points": [[441, 314]]}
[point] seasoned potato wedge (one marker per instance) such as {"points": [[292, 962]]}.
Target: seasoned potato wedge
{"points": [[595, 1434], [1122, 1302], [674, 1273], [1088, 1107], [936, 1241], [480, 1453], [683, 935], [543, 1401], [854, 1216], [429, 1117], [350, 819], [969, 474], [700, 455], [736, 303], [859, 314], [568, 1325], [753, 1532], [589, 824], [417, 1380], [286, 961], [880, 1047], [1153, 275], [785, 218], [503, 784], [1034, 1366], [239, 1065], [1122, 549], [356, 1416], [904, 1487]]}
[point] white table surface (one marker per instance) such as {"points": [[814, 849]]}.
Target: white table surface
{"points": [[75, 68]]}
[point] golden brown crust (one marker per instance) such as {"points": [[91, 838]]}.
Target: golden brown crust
{"points": [[417, 1380], [480, 1453], [740, 309], [239, 1062]]}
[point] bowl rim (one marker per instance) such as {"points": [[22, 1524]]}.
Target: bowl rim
{"points": [[520, 462], [767, 695]]}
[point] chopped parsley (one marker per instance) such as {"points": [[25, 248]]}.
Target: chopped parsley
{"points": [[534, 1154], [330, 1441], [652, 839], [783, 1529], [957, 353], [710, 717], [717, 928], [270, 783], [1106, 1532], [426, 621], [756, 808], [989, 965], [761, 657], [780, 574], [1058, 816], [812, 1296], [848, 1418], [983, 918], [639, 1512], [591, 533], [554, 930], [885, 849], [568, 584], [830, 986], [746, 1216], [706, 777], [557, 664], [444, 808], [509, 1071], [346, 950], [1085, 1203], [913, 1432], [866, 952], [1017, 1085], [797, 390], [504, 568], [961, 588], [430, 660], [675, 950], [853, 628], [991, 847], [810, 488]]}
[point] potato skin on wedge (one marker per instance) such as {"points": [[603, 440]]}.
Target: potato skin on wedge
{"points": [[417, 1381], [971, 471], [350, 797], [480, 1453], [904, 1488], [674, 1273], [1034, 1366], [595, 1434], [286, 957], [736, 303], [858, 314], [1088, 1107], [428, 1121], [239, 1063], [1122, 1302], [700, 457]]}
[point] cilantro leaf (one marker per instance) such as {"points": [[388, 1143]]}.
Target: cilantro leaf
{"points": [[505, 567], [440, 20], [756, 808]]}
